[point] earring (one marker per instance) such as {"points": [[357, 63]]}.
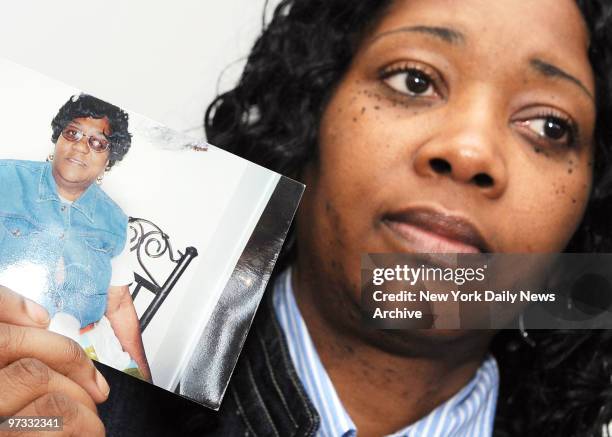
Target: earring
{"points": [[524, 333], [99, 179], [50, 157]]}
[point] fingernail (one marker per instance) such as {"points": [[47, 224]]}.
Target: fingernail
{"points": [[102, 384], [36, 312]]}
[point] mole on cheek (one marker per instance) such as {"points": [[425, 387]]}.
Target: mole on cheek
{"points": [[374, 96], [539, 150]]}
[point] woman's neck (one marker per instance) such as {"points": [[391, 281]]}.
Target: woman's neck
{"points": [[400, 384], [67, 190]]}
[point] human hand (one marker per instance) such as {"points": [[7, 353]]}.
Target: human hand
{"points": [[45, 374]]}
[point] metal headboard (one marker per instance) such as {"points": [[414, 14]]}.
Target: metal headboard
{"points": [[149, 241]]}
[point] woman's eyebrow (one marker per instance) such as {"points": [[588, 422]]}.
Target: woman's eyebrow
{"points": [[446, 34], [550, 70]]}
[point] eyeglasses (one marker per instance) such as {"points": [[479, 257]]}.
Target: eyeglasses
{"points": [[96, 143]]}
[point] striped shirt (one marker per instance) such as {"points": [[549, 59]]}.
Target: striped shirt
{"points": [[469, 413]]}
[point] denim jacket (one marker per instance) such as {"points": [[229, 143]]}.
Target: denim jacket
{"points": [[57, 253]]}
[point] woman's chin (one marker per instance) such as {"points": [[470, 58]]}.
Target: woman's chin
{"points": [[72, 177]]}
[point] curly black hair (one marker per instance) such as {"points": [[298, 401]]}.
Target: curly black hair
{"points": [[84, 105], [561, 387]]}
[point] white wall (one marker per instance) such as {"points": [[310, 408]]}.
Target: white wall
{"points": [[159, 58]]}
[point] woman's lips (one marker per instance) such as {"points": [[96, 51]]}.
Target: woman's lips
{"points": [[76, 162], [429, 231]]}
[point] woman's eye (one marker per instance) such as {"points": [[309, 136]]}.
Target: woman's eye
{"points": [[412, 81], [553, 128]]}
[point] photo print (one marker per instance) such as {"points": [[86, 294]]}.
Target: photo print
{"points": [[149, 248]]}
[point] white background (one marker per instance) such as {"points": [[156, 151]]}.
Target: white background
{"points": [[159, 58], [211, 200]]}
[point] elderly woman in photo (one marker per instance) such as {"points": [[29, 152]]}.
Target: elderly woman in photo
{"points": [[63, 240]]}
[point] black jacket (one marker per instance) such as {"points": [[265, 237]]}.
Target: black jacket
{"points": [[264, 398]]}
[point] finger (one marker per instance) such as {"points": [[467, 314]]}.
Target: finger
{"points": [[18, 310], [28, 379], [77, 420], [62, 354]]}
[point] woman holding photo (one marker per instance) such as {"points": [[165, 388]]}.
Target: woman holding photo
{"points": [[418, 126], [429, 126], [63, 240]]}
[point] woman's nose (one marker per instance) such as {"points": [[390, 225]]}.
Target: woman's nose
{"points": [[81, 145], [466, 152]]}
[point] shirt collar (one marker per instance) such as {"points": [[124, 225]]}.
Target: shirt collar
{"points": [[47, 191], [470, 412]]}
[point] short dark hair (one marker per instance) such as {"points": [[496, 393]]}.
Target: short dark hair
{"points": [[83, 106], [563, 386]]}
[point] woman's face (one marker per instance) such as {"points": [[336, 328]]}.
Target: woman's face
{"points": [[75, 165], [459, 127]]}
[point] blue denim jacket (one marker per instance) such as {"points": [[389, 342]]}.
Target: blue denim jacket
{"points": [[57, 253]]}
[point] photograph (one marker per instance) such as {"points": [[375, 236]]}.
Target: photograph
{"points": [[130, 235]]}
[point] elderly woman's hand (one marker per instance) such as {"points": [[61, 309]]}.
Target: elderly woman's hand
{"points": [[45, 374]]}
